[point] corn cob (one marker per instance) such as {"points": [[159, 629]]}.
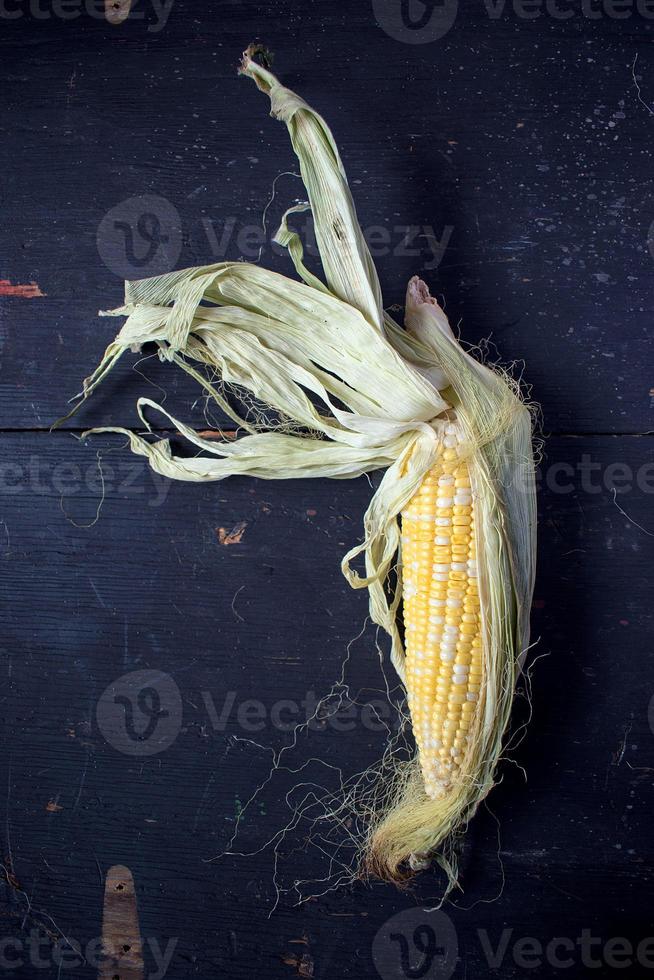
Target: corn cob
{"points": [[442, 617], [453, 436]]}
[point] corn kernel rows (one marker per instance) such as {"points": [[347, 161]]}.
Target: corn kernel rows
{"points": [[442, 616]]}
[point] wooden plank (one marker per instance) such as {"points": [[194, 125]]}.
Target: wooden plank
{"points": [[148, 600], [480, 147], [154, 657]]}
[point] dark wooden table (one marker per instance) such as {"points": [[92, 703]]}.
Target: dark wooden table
{"points": [[504, 152]]}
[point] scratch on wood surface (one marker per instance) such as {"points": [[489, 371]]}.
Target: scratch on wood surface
{"points": [[26, 290], [237, 615], [638, 89], [232, 536]]}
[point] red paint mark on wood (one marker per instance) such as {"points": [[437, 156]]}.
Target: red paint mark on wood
{"points": [[216, 434], [25, 290], [311, 512], [232, 536], [624, 622], [539, 603], [303, 964]]}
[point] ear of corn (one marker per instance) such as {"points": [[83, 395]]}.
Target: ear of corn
{"points": [[442, 618], [453, 438]]}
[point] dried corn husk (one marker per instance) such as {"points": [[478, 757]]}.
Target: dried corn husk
{"points": [[381, 398]]}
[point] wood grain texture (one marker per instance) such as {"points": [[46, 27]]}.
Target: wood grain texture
{"points": [[159, 640], [150, 590], [524, 140]]}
